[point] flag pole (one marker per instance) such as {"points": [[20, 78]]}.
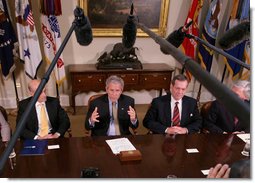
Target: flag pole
{"points": [[15, 87], [44, 80], [220, 51], [57, 90]]}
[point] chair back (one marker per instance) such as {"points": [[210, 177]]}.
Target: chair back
{"points": [[205, 109], [93, 97], [204, 112]]}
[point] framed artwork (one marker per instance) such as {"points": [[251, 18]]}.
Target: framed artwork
{"points": [[107, 17]]}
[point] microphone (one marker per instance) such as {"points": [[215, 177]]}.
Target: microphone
{"points": [[83, 29], [129, 30], [235, 35], [177, 37]]}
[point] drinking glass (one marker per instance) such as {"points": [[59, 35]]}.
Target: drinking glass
{"points": [[246, 149]]}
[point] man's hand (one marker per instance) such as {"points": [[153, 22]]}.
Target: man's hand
{"points": [[219, 171], [49, 136], [132, 114], [94, 116], [176, 130]]}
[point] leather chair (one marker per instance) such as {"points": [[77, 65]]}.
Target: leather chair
{"points": [[204, 112]]}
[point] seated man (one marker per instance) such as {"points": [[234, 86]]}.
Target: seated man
{"points": [[47, 119], [174, 113], [4, 125], [112, 113], [220, 120]]}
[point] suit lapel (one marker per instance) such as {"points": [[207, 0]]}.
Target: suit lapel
{"points": [[49, 109], [105, 108], [167, 106], [184, 110]]}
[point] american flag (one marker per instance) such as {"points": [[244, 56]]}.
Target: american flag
{"points": [[29, 48], [30, 18]]}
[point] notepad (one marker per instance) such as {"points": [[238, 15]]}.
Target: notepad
{"points": [[33, 147], [120, 144]]}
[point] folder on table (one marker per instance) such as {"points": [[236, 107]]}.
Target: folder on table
{"points": [[33, 147]]}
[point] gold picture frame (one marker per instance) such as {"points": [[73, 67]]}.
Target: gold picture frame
{"points": [[160, 11]]}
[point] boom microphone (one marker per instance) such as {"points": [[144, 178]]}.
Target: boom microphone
{"points": [[83, 29], [177, 37], [129, 30], [235, 35]]}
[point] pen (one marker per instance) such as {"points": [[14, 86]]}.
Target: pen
{"points": [[30, 147]]}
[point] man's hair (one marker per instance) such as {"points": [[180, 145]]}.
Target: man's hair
{"points": [[114, 79], [240, 169], [179, 77], [245, 86]]}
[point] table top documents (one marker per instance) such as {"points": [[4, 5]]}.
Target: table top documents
{"points": [[184, 156]]}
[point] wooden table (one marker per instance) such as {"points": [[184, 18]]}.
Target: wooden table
{"points": [[161, 156], [87, 78]]}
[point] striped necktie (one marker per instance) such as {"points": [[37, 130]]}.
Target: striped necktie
{"points": [[176, 115]]}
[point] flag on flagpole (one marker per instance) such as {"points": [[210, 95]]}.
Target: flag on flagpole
{"points": [[7, 40], [52, 42], [209, 33], [189, 45], [52, 37], [247, 52], [29, 48], [239, 13]]}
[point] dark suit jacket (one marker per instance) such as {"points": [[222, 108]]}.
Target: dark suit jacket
{"points": [[58, 118], [102, 103], [158, 116], [219, 120]]}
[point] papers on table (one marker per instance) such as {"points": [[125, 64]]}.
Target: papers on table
{"points": [[244, 136], [192, 150], [120, 144]]}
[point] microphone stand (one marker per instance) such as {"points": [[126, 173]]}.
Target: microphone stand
{"points": [[220, 51], [235, 105], [28, 110]]}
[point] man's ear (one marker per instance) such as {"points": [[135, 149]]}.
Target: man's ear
{"points": [[30, 93]]}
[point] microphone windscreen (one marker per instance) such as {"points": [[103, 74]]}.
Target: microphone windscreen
{"points": [[235, 35], [175, 38], [129, 33], [83, 30]]}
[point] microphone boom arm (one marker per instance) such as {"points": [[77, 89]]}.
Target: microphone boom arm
{"points": [[28, 110], [235, 105], [220, 51]]}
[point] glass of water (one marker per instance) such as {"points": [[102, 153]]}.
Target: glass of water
{"points": [[246, 149]]}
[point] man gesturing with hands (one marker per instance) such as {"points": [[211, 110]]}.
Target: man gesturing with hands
{"points": [[112, 113]]}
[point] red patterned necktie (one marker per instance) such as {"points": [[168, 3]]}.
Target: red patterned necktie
{"points": [[176, 116]]}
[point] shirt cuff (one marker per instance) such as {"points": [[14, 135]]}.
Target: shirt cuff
{"points": [[91, 124], [134, 122], [58, 134], [166, 130]]}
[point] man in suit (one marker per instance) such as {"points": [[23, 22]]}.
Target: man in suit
{"points": [[220, 120], [100, 118], [174, 113], [55, 122]]}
